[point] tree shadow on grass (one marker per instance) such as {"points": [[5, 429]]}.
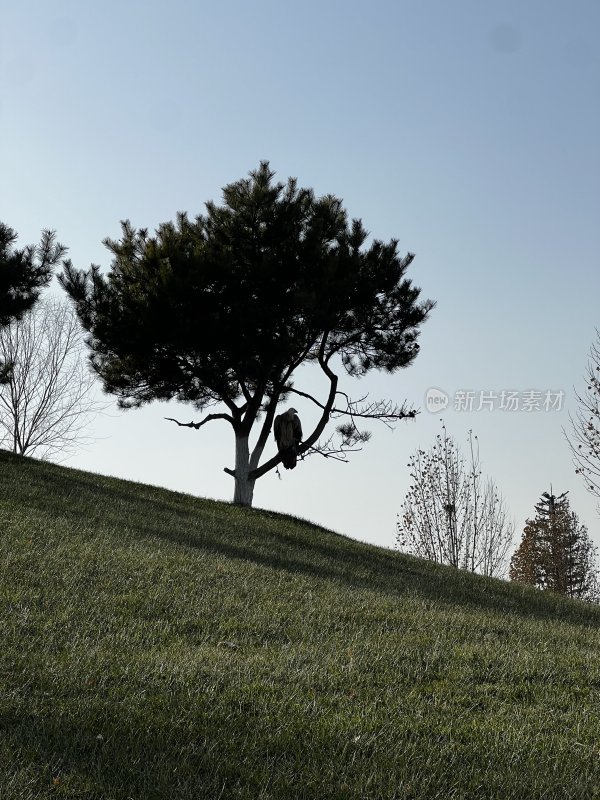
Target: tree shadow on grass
{"points": [[392, 574], [264, 538]]}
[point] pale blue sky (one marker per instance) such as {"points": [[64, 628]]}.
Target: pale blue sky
{"points": [[469, 130]]}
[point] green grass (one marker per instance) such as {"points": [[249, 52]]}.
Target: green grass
{"points": [[156, 645]]}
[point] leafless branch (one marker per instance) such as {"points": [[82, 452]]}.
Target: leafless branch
{"points": [[585, 439], [328, 449], [382, 410], [197, 425], [350, 435]]}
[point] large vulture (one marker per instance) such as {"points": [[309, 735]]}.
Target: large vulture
{"points": [[288, 435]]}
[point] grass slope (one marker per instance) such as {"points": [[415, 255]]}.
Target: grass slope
{"points": [[156, 645]]}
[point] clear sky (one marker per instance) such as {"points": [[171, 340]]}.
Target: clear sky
{"points": [[468, 130]]}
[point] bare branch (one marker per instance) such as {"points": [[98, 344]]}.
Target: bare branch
{"points": [[328, 450], [197, 425], [382, 410], [350, 434], [585, 440]]}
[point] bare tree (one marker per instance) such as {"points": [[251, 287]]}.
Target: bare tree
{"points": [[585, 439], [451, 514], [47, 402]]}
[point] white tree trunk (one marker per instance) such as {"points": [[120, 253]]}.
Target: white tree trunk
{"points": [[244, 488]]}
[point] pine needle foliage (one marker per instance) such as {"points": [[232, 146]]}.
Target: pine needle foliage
{"points": [[23, 272]]}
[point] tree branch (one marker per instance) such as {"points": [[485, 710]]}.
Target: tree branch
{"points": [[381, 410], [328, 450], [585, 440], [252, 408], [265, 431], [197, 425], [351, 436], [333, 381], [308, 443], [269, 417], [244, 390]]}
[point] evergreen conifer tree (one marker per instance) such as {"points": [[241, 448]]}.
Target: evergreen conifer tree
{"points": [[556, 552], [22, 274], [222, 311]]}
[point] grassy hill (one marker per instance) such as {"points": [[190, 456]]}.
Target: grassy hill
{"points": [[156, 645]]}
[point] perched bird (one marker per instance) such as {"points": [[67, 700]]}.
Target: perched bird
{"points": [[288, 435]]}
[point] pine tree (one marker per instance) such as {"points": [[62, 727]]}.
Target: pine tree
{"points": [[223, 311], [22, 274], [556, 553], [526, 563]]}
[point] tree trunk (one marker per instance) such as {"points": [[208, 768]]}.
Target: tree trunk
{"points": [[244, 487]]}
